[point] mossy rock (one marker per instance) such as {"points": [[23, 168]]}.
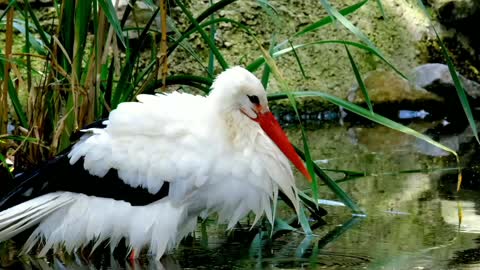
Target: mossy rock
{"points": [[387, 87]]}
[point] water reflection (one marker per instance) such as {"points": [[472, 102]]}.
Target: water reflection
{"points": [[410, 200], [166, 263]]}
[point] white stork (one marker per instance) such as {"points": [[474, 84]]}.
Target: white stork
{"points": [[154, 167]]}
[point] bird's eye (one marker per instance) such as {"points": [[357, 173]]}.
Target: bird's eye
{"points": [[254, 99]]}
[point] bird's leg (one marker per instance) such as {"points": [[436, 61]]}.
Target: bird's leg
{"points": [[132, 257]]}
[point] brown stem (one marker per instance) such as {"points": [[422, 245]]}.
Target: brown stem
{"points": [[163, 43], [6, 72]]}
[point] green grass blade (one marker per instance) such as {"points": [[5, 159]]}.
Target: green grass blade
{"points": [[211, 56], [380, 7], [302, 218], [281, 225], [461, 94], [202, 83], [19, 138], [43, 35], [283, 85], [303, 248], [272, 13], [456, 80], [28, 57], [367, 114], [338, 231], [82, 19], [327, 20], [187, 47], [211, 45], [209, 11], [186, 34], [9, 6], [311, 205], [298, 59], [333, 186], [12, 93], [125, 87], [112, 18], [22, 28], [177, 39], [266, 70], [347, 24], [265, 76], [3, 162], [308, 158], [140, 77], [360, 82], [257, 63], [67, 34]]}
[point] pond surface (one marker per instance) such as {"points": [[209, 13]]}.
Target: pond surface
{"points": [[408, 194]]}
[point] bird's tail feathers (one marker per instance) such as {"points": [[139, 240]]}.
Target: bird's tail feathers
{"points": [[16, 219]]}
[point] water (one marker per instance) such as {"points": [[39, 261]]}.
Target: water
{"points": [[408, 195]]}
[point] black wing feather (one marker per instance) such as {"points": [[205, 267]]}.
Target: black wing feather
{"points": [[58, 175]]}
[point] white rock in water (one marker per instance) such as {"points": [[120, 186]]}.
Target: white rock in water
{"points": [[428, 75], [407, 114]]}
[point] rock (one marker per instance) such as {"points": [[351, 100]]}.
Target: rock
{"points": [[451, 12], [437, 79], [460, 17], [389, 87]]}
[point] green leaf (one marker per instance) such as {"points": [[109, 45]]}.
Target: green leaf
{"points": [[283, 85], [202, 83], [281, 225], [211, 55], [19, 138], [82, 19], [327, 20], [298, 59], [257, 63], [12, 93], [125, 87], [382, 10], [367, 114], [9, 6], [35, 43], [43, 35], [211, 45], [304, 246], [302, 218], [256, 245], [333, 186], [112, 18], [3, 162], [209, 11], [456, 80], [360, 82], [140, 77], [266, 71], [187, 33], [352, 28], [338, 231]]}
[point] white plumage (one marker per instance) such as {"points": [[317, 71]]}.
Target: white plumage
{"points": [[216, 159]]}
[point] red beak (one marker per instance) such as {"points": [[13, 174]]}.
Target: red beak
{"points": [[272, 128]]}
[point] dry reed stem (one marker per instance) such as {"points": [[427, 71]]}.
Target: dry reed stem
{"points": [[163, 44], [6, 79]]}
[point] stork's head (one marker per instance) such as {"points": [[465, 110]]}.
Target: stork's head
{"points": [[238, 90]]}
